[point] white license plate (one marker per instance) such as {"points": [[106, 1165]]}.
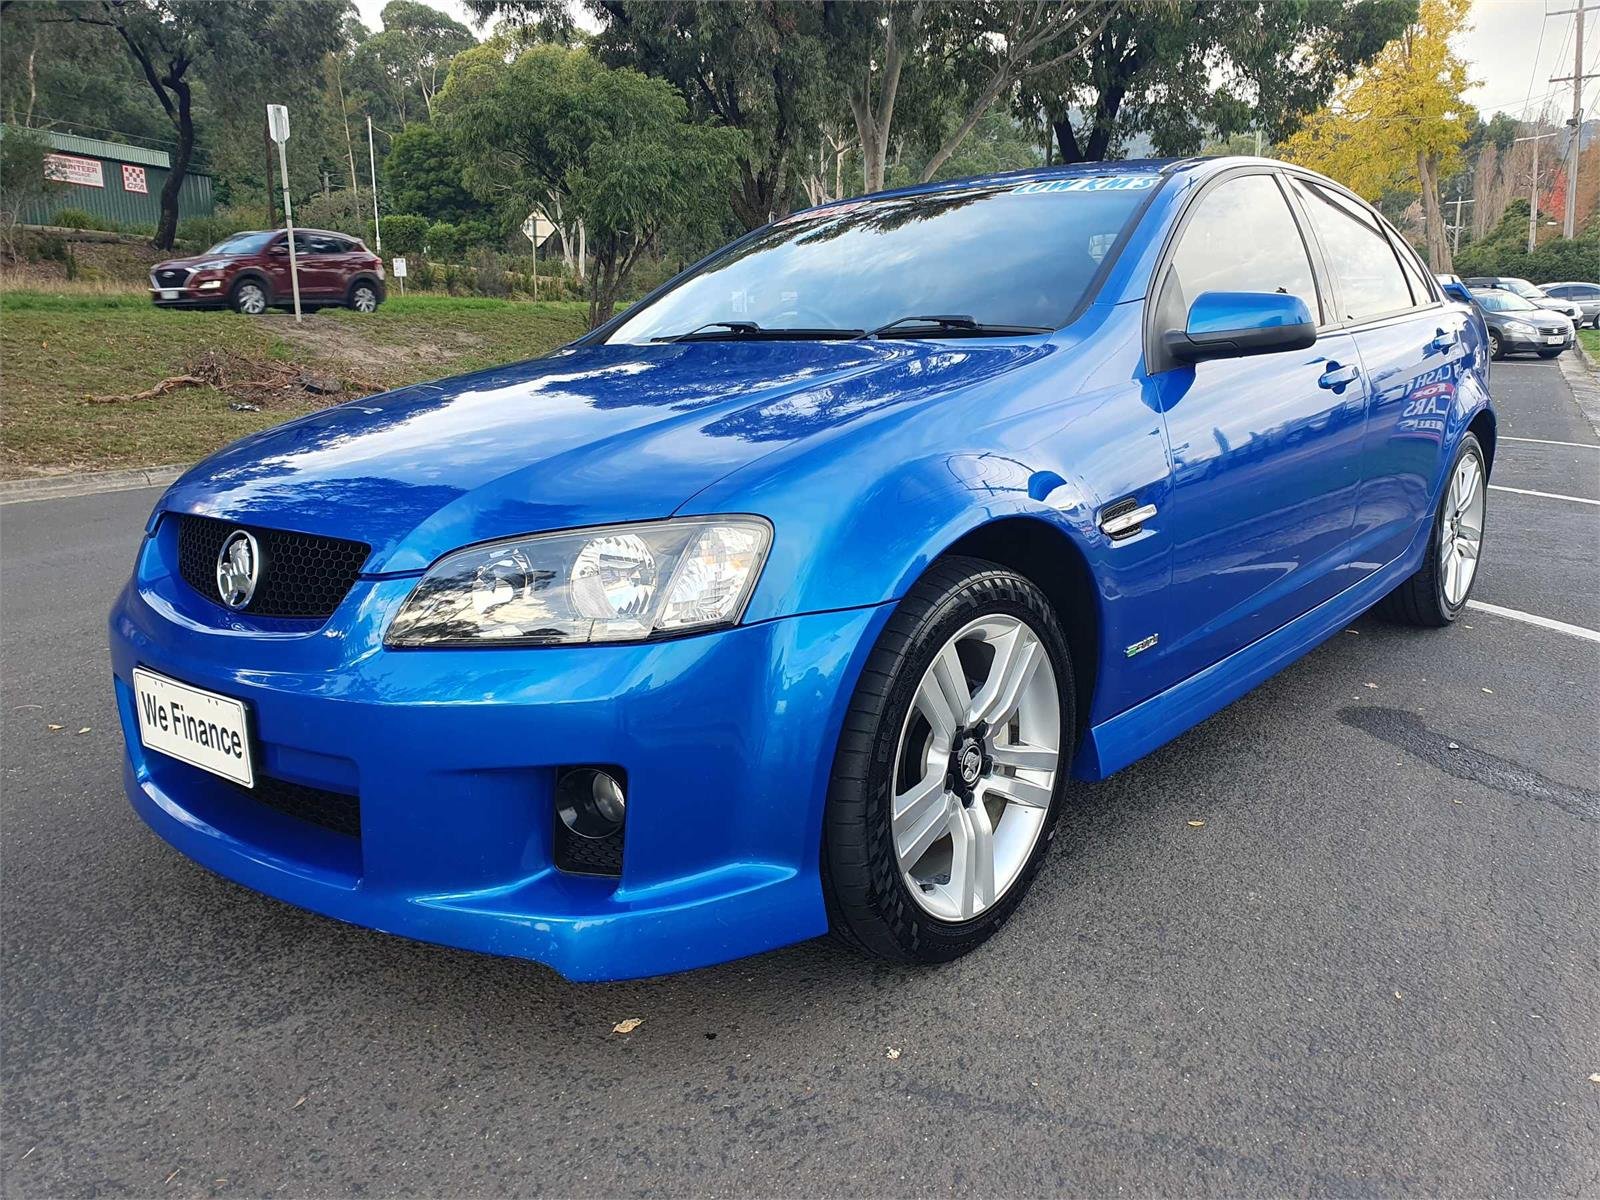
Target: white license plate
{"points": [[1555, 340], [169, 293], [200, 728]]}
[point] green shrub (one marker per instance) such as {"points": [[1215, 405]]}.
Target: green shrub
{"points": [[488, 274], [404, 234], [201, 233], [342, 212], [422, 276], [444, 241], [77, 218], [476, 233]]}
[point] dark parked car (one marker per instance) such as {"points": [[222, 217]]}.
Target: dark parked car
{"points": [[1518, 326], [1585, 295], [249, 272]]}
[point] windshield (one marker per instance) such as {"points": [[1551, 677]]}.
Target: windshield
{"points": [[1013, 255], [243, 243], [1522, 288], [1503, 302]]}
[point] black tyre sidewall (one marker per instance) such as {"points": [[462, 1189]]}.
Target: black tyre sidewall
{"points": [[1496, 347], [904, 929]]}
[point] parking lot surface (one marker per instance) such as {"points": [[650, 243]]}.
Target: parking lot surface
{"points": [[1373, 970]]}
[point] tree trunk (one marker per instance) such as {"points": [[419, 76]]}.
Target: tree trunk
{"points": [[1438, 245], [167, 228]]}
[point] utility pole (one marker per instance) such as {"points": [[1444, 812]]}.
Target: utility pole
{"points": [[1569, 221], [1455, 238], [372, 164], [1533, 188]]}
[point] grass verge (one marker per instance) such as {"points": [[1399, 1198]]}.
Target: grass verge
{"points": [[67, 359]]}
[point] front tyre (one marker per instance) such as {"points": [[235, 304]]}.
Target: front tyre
{"points": [[951, 766], [249, 297], [363, 297], [1496, 347], [1437, 593]]}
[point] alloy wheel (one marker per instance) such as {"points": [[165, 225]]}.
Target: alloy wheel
{"points": [[975, 767], [365, 300], [1461, 535], [252, 300]]}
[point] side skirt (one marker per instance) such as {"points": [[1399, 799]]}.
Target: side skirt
{"points": [[1129, 736]]}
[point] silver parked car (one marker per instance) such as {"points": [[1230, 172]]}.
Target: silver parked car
{"points": [[1585, 295]]}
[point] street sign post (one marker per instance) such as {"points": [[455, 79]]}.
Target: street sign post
{"points": [[278, 128], [400, 273], [536, 228]]}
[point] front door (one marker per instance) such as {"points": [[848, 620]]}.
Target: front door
{"points": [[1265, 450]]}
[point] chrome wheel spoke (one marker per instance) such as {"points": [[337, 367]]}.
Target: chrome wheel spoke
{"points": [[919, 838], [1024, 757], [1015, 660], [1016, 790], [972, 861]]}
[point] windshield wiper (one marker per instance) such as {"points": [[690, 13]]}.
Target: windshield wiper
{"points": [[725, 331], [951, 326]]}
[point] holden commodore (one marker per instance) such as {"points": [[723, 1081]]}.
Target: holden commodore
{"points": [[797, 597]]}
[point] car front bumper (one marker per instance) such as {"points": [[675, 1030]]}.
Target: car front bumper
{"points": [[727, 739], [1527, 345]]}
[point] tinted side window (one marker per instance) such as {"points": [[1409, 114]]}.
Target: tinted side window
{"points": [[1370, 278], [1241, 238], [322, 243]]}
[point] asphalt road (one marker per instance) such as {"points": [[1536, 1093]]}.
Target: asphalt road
{"points": [[1375, 969]]}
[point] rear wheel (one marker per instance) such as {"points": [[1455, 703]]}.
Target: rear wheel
{"points": [[249, 297], [364, 297], [951, 766], [1438, 592]]}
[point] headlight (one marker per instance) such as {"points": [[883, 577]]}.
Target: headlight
{"points": [[215, 265], [1520, 327], [618, 583]]}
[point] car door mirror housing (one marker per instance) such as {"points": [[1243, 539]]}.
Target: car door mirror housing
{"points": [[1238, 324]]}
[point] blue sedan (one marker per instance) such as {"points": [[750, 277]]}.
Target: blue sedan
{"points": [[796, 598]]}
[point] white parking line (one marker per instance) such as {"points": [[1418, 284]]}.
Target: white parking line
{"points": [[1495, 487], [1548, 442], [1588, 635]]}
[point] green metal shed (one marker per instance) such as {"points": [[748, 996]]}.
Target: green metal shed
{"points": [[117, 182]]}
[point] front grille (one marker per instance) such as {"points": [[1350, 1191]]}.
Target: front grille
{"points": [[331, 810], [1551, 329], [300, 575], [172, 277]]}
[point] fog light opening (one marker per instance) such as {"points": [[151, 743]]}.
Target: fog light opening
{"points": [[591, 802]]}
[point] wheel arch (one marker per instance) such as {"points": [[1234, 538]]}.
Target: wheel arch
{"points": [[251, 275], [1482, 425], [361, 277], [1045, 554]]}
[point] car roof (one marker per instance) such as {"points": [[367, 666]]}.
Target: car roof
{"points": [[1156, 167]]}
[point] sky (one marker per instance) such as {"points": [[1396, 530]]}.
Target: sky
{"points": [[1512, 50]]}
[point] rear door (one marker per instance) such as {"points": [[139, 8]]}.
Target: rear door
{"points": [[322, 271], [1414, 349], [1266, 449]]}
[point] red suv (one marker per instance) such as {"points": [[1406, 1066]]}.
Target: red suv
{"points": [[250, 273]]}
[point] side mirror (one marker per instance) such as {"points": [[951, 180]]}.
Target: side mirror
{"points": [[1237, 324], [279, 250]]}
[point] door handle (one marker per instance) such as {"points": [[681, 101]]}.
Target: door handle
{"points": [[1336, 376], [1445, 339]]}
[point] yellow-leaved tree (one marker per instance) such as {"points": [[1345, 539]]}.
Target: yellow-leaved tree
{"points": [[1400, 121]]}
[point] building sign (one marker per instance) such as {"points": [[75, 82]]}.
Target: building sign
{"points": [[70, 168], [133, 180]]}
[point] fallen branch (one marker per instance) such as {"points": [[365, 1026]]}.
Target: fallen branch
{"points": [[171, 384]]}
